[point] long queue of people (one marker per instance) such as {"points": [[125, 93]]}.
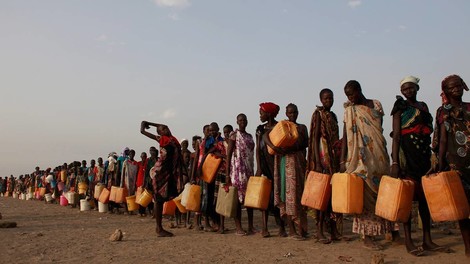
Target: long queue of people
{"points": [[360, 150]]}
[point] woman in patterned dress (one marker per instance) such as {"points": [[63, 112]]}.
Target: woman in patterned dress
{"points": [[240, 167]]}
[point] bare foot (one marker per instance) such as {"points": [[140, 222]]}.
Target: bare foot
{"points": [[265, 234], [164, 233], [240, 232], [370, 244], [282, 233], [210, 229], [252, 231], [436, 248], [418, 251]]}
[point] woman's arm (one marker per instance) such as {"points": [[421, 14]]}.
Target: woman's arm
{"points": [[230, 149], [257, 151], [194, 165], [396, 137], [442, 147], [143, 126], [316, 143], [268, 142], [344, 150]]}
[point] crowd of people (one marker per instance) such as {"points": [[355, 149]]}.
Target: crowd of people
{"points": [[360, 149]]}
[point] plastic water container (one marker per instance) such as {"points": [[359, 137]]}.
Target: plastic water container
{"points": [[145, 198], [121, 194], [194, 198], [131, 205], [317, 191], [347, 194], [185, 194], [72, 197], [104, 196], [98, 189], [210, 167], [179, 205], [102, 208], [284, 134], [82, 188], [445, 196], [227, 202], [84, 205], [42, 191], [48, 197], [258, 192], [395, 199], [63, 201], [169, 208], [112, 194]]}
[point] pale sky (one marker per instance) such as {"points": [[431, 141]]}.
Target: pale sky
{"points": [[78, 77]]}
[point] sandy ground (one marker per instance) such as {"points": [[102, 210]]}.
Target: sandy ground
{"points": [[52, 233]]}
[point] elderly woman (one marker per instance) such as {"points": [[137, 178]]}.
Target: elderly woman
{"points": [[364, 153], [451, 139]]}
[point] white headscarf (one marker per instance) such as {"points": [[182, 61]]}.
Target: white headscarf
{"points": [[410, 79]]}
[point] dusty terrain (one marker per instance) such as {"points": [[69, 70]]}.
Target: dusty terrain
{"points": [[52, 233]]}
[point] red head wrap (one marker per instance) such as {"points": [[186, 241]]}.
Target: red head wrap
{"points": [[270, 108]]}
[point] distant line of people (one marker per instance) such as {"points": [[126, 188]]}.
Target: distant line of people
{"points": [[361, 150]]}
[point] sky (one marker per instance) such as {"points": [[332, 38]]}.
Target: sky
{"points": [[77, 77]]}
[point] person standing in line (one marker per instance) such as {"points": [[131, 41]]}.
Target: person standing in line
{"points": [[411, 154], [167, 173], [265, 162], [364, 153], [289, 178], [240, 167], [324, 135], [451, 139]]}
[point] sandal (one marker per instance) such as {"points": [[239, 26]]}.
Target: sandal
{"points": [[298, 238], [265, 235], [375, 247], [442, 249], [325, 241], [417, 252], [240, 233]]}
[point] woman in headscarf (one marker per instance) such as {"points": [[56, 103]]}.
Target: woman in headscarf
{"points": [[411, 153], [289, 177], [451, 139], [167, 173], [265, 161], [364, 153]]}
